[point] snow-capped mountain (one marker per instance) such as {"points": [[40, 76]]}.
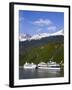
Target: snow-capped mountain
{"points": [[39, 36], [60, 32], [25, 37], [42, 35]]}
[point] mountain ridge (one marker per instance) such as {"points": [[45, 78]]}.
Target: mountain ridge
{"points": [[25, 37], [23, 46]]}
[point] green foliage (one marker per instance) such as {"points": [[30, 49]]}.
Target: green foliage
{"points": [[43, 53]]}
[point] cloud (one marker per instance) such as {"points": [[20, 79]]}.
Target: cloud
{"points": [[52, 29], [43, 22], [45, 25]]}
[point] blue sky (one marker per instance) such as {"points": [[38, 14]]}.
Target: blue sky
{"points": [[35, 22]]}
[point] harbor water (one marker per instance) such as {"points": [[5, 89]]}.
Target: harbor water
{"points": [[40, 73]]}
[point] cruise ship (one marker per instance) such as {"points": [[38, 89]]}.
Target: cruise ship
{"points": [[49, 65], [29, 66]]}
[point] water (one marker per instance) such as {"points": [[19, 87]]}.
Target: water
{"points": [[39, 73]]}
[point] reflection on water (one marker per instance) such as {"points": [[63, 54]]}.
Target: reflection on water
{"points": [[39, 73]]}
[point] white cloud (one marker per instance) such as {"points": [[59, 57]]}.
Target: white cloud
{"points": [[52, 29], [43, 22]]}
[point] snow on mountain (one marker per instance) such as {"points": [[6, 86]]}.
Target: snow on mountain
{"points": [[42, 35], [39, 36], [60, 32], [25, 37]]}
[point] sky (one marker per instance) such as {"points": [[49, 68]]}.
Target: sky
{"points": [[36, 22]]}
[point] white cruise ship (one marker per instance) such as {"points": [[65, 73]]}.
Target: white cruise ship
{"points": [[49, 65], [29, 66]]}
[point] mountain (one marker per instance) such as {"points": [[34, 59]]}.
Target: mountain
{"points": [[43, 35], [41, 48], [25, 37], [43, 53], [26, 45]]}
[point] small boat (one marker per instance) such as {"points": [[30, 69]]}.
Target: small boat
{"points": [[29, 66]]}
